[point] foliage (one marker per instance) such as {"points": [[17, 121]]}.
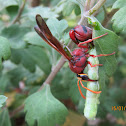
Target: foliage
{"points": [[52, 111], [4, 118], [26, 61], [2, 100], [118, 19], [4, 49]]}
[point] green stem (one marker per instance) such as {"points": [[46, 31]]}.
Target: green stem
{"points": [[97, 6], [19, 13], [92, 101]]}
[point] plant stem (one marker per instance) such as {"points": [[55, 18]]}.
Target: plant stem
{"points": [[108, 17], [96, 7], [87, 5], [19, 13], [18, 109], [54, 72]]}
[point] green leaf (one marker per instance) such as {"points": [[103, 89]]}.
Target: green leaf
{"points": [[77, 10], [43, 108], [105, 45], [62, 83], [57, 27], [12, 11], [108, 104], [119, 4], [4, 118], [30, 57], [119, 23], [3, 83], [4, 49], [45, 12], [74, 91], [68, 8], [2, 100], [34, 39], [20, 73], [7, 3], [15, 34], [109, 3]]}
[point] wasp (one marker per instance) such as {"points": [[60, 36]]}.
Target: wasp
{"points": [[78, 58]]}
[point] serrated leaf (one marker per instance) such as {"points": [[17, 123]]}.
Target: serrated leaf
{"points": [[119, 4], [7, 3], [42, 107], [119, 21], [57, 27], [15, 34], [4, 49], [45, 12], [2, 100], [30, 57], [105, 45], [4, 118]]}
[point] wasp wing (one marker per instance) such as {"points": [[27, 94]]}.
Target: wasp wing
{"points": [[37, 29], [47, 35]]}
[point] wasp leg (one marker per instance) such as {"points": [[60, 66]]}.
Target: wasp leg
{"points": [[90, 40], [88, 55], [80, 90], [96, 92], [82, 46], [94, 65]]}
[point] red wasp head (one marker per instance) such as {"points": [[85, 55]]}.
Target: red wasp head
{"points": [[80, 33]]}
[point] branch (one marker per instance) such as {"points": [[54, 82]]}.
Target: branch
{"points": [[108, 17], [16, 111], [87, 5], [17, 18], [54, 72], [96, 7]]}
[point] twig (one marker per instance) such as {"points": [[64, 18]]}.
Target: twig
{"points": [[19, 13], [96, 7], [35, 3], [54, 72], [87, 5], [108, 17], [92, 3], [16, 110]]}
